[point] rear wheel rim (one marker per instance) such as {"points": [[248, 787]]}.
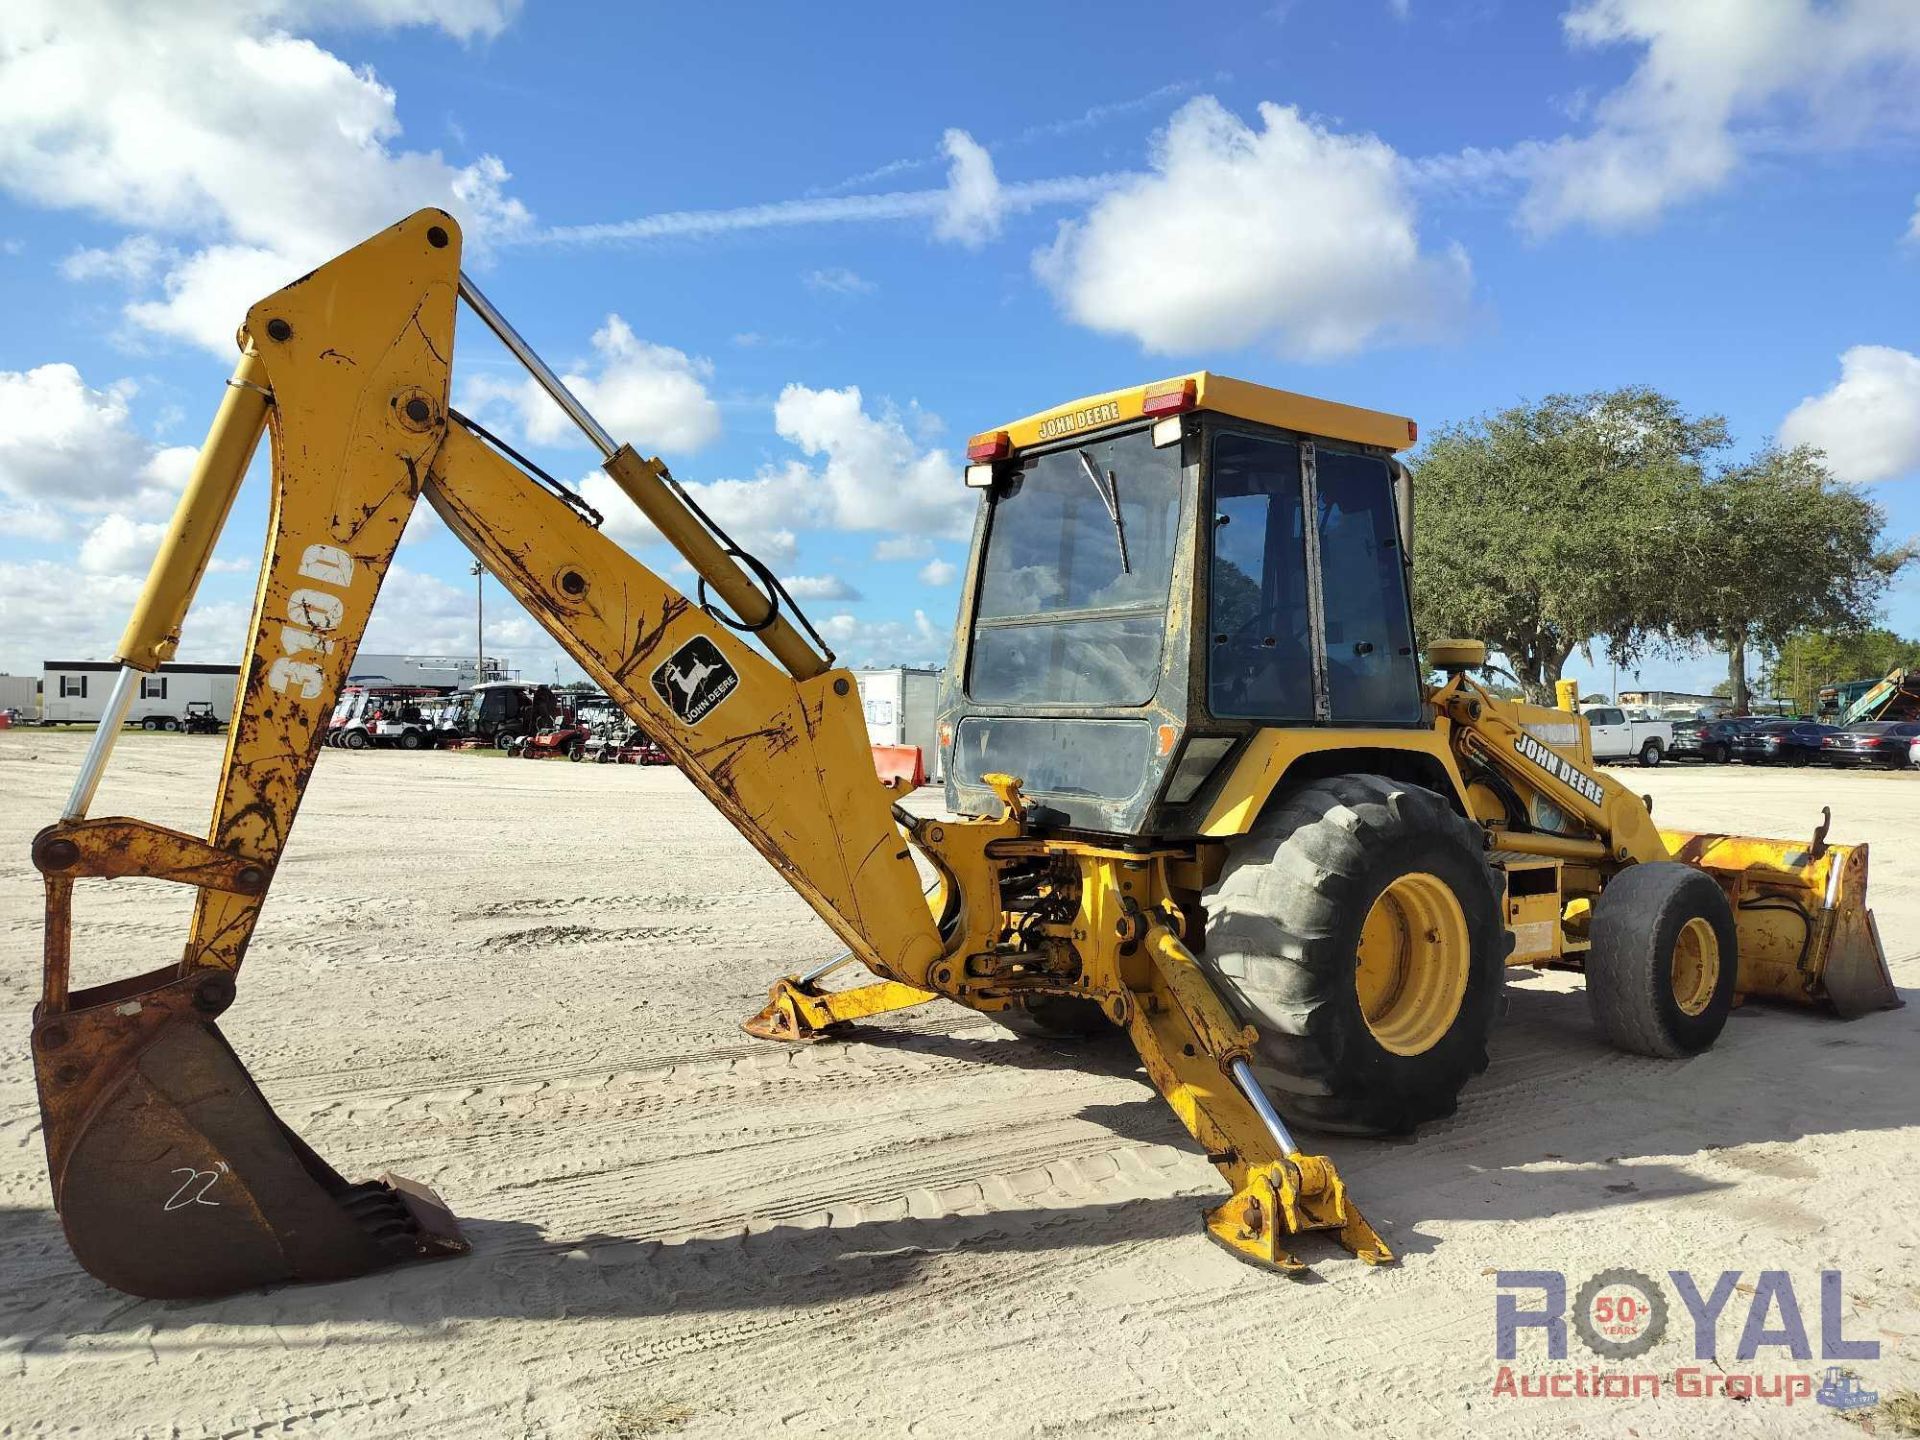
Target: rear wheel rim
{"points": [[1696, 966], [1412, 963]]}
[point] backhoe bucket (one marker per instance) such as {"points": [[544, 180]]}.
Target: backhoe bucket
{"points": [[172, 1175], [1806, 934]]}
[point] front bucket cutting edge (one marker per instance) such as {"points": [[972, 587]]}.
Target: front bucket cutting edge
{"points": [[172, 1175]]}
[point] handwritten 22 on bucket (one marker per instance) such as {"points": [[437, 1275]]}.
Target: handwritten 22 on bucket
{"points": [[1620, 1315]]}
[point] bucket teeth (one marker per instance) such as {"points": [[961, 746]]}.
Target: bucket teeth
{"points": [[174, 1178]]}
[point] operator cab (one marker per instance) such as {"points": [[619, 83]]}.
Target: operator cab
{"points": [[1146, 593]]}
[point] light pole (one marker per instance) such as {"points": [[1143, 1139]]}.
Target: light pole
{"points": [[479, 624]]}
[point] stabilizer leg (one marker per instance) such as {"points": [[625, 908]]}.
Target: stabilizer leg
{"points": [[1198, 1059], [798, 1013]]}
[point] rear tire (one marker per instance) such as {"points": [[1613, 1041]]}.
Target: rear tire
{"points": [[410, 740], [1664, 957], [1651, 754], [1716, 754], [170, 725], [1361, 885]]}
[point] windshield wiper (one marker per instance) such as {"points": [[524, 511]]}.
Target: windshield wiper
{"points": [[1109, 493]]}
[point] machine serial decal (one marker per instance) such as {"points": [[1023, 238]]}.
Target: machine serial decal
{"points": [[1058, 425], [1558, 767], [694, 680]]}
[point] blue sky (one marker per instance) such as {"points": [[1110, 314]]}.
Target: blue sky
{"points": [[728, 220]]}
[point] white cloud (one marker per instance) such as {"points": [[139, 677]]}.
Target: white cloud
{"points": [[120, 546], [39, 620], [965, 203], [422, 614], [868, 472], [32, 521], [1290, 234], [974, 201], [886, 642], [1869, 422], [218, 124], [938, 572], [63, 441], [133, 261], [839, 280], [875, 475], [1716, 80], [819, 587], [651, 396]]}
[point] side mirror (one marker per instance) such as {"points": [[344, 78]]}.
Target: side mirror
{"points": [[1453, 656], [1403, 506]]}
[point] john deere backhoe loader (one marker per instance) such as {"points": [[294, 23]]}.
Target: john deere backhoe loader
{"points": [[1199, 789]]}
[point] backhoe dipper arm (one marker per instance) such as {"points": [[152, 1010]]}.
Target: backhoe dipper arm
{"points": [[348, 370]]}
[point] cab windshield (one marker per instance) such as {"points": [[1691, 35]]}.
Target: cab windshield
{"points": [[1073, 587]]}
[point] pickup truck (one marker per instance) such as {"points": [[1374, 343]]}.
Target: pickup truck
{"points": [[1616, 737]]}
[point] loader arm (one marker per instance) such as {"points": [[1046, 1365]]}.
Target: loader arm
{"points": [[1805, 933]]}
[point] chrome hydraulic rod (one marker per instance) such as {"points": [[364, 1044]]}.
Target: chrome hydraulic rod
{"points": [[538, 368], [1263, 1107], [648, 485], [101, 746], [825, 968], [153, 631]]}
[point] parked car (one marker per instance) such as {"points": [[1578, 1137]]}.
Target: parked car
{"points": [[1710, 740], [1615, 737], [1881, 743], [1783, 742]]}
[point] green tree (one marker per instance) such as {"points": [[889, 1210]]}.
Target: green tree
{"points": [[1551, 525], [1810, 659], [1777, 545]]}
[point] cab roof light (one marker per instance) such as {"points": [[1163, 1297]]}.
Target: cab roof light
{"points": [[1169, 399], [994, 445]]}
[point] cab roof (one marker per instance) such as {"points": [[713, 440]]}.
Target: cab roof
{"points": [[1223, 395]]}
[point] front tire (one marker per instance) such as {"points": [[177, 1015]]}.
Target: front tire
{"points": [[1663, 959], [1358, 929], [354, 740]]}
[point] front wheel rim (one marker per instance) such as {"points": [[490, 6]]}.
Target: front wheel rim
{"points": [[1412, 963], [1695, 972]]}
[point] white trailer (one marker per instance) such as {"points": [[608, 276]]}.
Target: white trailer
{"points": [[20, 693], [444, 672], [74, 692], [900, 704]]}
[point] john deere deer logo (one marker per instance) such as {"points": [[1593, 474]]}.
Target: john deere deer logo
{"points": [[694, 679]]}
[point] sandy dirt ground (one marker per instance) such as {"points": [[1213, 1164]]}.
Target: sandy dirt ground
{"points": [[521, 984]]}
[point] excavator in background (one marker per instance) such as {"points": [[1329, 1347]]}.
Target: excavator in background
{"points": [[1197, 787]]}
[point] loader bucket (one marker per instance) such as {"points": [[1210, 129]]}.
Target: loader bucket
{"points": [[1806, 935], [172, 1175]]}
